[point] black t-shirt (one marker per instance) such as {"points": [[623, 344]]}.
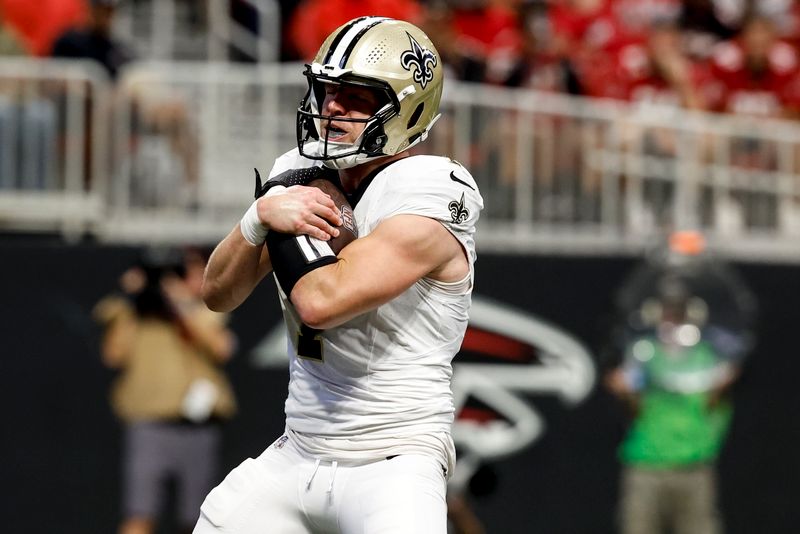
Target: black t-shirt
{"points": [[90, 45]]}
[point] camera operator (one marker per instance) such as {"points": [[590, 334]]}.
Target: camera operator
{"points": [[171, 393]]}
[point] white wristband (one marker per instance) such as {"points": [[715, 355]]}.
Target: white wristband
{"points": [[251, 227], [253, 231]]}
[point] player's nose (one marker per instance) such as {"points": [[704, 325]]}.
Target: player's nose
{"points": [[334, 106]]}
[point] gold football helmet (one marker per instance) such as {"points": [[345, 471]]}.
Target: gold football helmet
{"points": [[395, 59]]}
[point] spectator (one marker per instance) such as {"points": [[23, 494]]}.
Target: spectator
{"points": [[164, 160], [165, 157], [638, 16], [756, 74], [681, 356], [94, 41], [313, 20], [171, 393], [538, 66], [10, 45], [701, 28], [656, 72], [586, 33], [463, 59], [493, 29], [39, 23], [755, 71], [735, 13], [28, 123], [10, 41]]}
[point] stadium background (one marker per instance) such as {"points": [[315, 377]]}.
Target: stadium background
{"points": [[61, 444]]}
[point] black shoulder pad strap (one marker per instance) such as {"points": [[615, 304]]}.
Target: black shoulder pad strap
{"points": [[295, 177]]}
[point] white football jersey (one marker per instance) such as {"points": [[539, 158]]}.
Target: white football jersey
{"points": [[379, 384]]}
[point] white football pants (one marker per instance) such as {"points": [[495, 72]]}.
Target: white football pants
{"points": [[285, 492]]}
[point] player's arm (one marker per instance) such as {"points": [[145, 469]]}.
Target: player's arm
{"points": [[237, 264], [374, 269]]}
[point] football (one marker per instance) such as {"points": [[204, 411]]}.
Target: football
{"points": [[348, 231]]}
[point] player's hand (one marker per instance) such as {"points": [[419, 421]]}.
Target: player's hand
{"points": [[300, 210]]}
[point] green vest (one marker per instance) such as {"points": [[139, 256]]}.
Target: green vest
{"points": [[674, 429]]}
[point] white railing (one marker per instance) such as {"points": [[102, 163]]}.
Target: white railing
{"points": [[168, 30], [559, 174], [263, 44], [187, 139], [54, 118], [562, 174]]}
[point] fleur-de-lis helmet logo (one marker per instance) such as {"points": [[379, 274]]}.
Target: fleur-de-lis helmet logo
{"points": [[423, 59], [458, 212]]}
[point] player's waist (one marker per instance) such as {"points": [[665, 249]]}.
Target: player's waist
{"points": [[363, 449], [348, 415]]}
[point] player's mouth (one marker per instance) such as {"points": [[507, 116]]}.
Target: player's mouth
{"points": [[334, 132]]}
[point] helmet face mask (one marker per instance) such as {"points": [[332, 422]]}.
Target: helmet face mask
{"points": [[393, 59], [311, 121]]}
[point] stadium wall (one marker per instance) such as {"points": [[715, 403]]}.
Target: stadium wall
{"points": [[61, 444]]}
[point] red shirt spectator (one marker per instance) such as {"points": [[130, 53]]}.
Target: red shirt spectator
{"points": [[656, 72], [636, 17], [314, 20], [495, 31], [586, 24], [756, 72], [788, 26], [464, 59], [588, 34], [702, 27], [488, 25], [39, 23]]}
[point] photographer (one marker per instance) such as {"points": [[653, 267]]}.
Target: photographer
{"points": [[171, 393]]}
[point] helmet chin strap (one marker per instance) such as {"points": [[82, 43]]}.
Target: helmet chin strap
{"points": [[342, 162], [347, 162]]}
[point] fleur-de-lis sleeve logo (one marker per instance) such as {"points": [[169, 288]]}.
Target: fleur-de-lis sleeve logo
{"points": [[423, 59], [458, 212]]}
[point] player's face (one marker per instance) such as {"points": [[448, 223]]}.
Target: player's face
{"points": [[348, 101]]}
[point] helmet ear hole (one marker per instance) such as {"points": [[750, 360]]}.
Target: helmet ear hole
{"points": [[412, 121]]}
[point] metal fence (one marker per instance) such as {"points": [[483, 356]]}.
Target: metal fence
{"points": [[54, 118], [559, 174], [215, 30]]}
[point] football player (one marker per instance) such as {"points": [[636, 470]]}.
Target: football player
{"points": [[373, 327]]}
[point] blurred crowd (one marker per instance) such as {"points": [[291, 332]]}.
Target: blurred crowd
{"points": [[729, 56], [737, 56], [734, 56]]}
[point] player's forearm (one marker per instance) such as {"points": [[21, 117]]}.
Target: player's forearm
{"points": [[233, 271], [334, 294], [374, 269], [318, 301]]}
